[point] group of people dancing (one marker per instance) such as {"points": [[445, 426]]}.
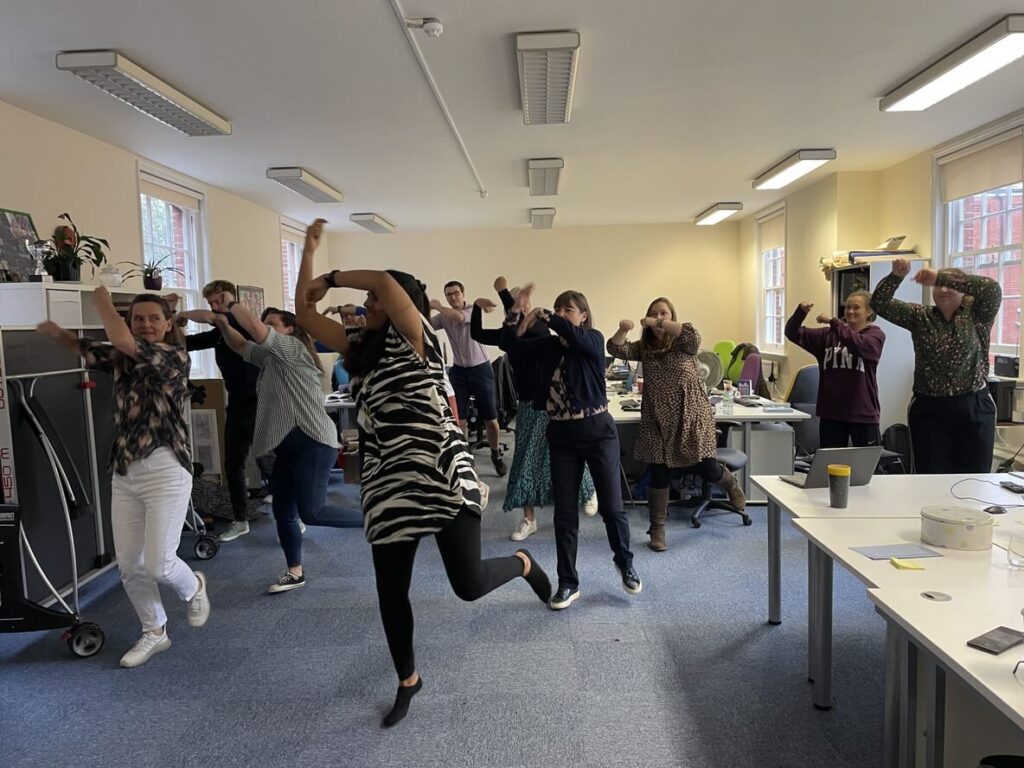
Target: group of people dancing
{"points": [[419, 477]]}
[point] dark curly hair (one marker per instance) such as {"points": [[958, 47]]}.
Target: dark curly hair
{"points": [[365, 352]]}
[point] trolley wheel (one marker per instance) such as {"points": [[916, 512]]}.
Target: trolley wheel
{"points": [[207, 546], [85, 639], [747, 520]]}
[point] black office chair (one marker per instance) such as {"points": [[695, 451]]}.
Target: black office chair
{"points": [[804, 387], [806, 436], [1002, 761], [735, 460]]}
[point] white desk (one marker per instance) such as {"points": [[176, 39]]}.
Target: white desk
{"points": [[345, 407], [745, 415], [940, 631]]}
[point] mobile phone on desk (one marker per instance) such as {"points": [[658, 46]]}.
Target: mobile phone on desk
{"points": [[1011, 486], [997, 640]]}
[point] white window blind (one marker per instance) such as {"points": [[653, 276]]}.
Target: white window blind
{"points": [[771, 245], [991, 164], [292, 240]]}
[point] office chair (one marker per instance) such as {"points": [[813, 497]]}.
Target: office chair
{"points": [[751, 370], [724, 350], [1002, 761], [806, 436], [804, 387], [735, 460]]}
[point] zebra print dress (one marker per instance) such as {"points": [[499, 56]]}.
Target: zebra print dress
{"points": [[417, 470]]}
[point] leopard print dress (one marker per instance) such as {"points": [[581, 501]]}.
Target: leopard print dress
{"points": [[677, 421]]}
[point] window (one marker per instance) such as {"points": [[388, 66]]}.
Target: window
{"points": [[172, 238], [291, 257], [771, 247], [984, 238], [981, 202]]}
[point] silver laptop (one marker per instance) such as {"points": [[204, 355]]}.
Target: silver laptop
{"points": [[862, 463]]}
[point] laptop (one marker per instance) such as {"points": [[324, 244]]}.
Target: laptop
{"points": [[862, 463]]}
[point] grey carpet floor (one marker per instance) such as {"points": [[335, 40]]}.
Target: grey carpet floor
{"points": [[687, 673]]}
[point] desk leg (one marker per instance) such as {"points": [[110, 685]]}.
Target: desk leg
{"points": [[935, 727], [812, 607], [774, 563], [899, 742], [747, 431], [822, 641]]}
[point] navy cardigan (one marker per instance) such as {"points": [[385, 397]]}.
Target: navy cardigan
{"points": [[581, 354]]}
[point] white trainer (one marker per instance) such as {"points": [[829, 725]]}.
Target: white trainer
{"points": [[302, 527], [525, 528], [148, 645], [590, 508], [199, 605], [236, 529]]}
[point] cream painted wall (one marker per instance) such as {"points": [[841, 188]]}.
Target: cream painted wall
{"points": [[857, 209], [619, 268], [905, 196]]}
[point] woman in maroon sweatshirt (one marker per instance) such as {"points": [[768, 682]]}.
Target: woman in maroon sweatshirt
{"points": [[847, 354]]}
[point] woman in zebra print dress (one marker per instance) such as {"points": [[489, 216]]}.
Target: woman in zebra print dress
{"points": [[418, 474]]}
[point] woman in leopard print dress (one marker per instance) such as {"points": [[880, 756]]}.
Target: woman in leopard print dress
{"points": [[677, 422]]}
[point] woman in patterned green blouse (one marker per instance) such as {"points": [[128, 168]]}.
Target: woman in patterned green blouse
{"points": [[952, 416]]}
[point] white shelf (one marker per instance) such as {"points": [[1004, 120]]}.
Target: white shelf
{"points": [[28, 304]]}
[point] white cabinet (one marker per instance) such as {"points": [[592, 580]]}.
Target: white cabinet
{"points": [[67, 304]]}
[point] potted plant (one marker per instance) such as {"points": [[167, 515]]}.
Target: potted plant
{"points": [[152, 272], [71, 249]]}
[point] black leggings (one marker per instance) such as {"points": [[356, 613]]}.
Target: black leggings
{"points": [[707, 469], [471, 578]]}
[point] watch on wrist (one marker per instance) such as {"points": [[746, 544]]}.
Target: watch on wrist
{"points": [[329, 278]]}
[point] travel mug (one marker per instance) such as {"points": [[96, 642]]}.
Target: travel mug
{"points": [[838, 485]]}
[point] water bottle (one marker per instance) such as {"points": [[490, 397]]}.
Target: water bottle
{"points": [[727, 398], [629, 380]]}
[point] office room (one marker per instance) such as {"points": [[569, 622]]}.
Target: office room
{"points": [[686, 337]]}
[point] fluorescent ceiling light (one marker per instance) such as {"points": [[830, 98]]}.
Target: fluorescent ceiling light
{"points": [[547, 73], [716, 213], [125, 80], [544, 175], [373, 222], [798, 164], [986, 53], [306, 184], [542, 218]]}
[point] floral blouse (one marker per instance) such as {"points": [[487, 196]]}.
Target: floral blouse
{"points": [[150, 398], [951, 355]]}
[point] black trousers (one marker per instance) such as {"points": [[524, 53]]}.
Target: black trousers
{"points": [[843, 434], [239, 428], [953, 435], [707, 469], [471, 578], [591, 442]]}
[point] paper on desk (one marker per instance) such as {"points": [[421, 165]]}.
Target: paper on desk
{"points": [[888, 551]]}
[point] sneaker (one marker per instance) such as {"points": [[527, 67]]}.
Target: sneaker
{"points": [[288, 581], [524, 529], [147, 645], [590, 508], [485, 494], [302, 527], [268, 499], [631, 580], [236, 529], [199, 605], [499, 463], [564, 597]]}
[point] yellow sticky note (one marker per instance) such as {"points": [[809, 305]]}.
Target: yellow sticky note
{"points": [[905, 565]]}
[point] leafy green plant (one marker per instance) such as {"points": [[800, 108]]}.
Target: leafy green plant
{"points": [[150, 268], [85, 250]]}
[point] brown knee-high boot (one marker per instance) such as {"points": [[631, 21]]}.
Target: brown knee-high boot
{"points": [[731, 486], [657, 505]]}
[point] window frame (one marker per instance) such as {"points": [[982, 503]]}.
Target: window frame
{"points": [[780, 254], [203, 362], [292, 239]]}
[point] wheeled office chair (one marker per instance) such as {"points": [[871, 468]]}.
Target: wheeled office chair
{"points": [[804, 387], [735, 460]]}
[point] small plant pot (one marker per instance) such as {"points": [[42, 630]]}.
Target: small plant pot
{"points": [[153, 282], [64, 272]]}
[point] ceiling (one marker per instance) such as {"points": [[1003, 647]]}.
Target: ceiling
{"points": [[679, 104]]}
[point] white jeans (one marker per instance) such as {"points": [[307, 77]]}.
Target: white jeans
{"points": [[147, 510]]}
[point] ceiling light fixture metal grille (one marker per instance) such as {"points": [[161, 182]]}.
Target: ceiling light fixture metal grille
{"points": [[547, 75]]}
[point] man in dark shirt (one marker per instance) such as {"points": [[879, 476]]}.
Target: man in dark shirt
{"points": [[240, 383]]}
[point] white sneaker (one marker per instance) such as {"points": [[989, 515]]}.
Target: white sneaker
{"points": [[485, 494], [268, 499], [590, 508], [526, 528], [235, 530], [148, 645], [302, 527], [199, 605]]}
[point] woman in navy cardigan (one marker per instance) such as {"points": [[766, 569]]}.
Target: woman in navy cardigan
{"points": [[581, 433]]}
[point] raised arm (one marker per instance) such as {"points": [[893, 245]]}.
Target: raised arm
{"points": [[234, 340], [452, 315], [585, 342], [477, 332], [309, 290], [118, 332], [986, 292], [617, 345], [909, 316], [247, 319], [810, 339], [868, 342]]}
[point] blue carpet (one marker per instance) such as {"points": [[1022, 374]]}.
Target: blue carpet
{"points": [[686, 673]]}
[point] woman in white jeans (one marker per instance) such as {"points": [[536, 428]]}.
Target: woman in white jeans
{"points": [[150, 458]]}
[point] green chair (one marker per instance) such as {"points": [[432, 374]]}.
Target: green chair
{"points": [[724, 350]]}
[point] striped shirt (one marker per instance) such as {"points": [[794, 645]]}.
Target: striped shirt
{"points": [[417, 470], [289, 393]]}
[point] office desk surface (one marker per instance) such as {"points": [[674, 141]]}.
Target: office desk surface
{"points": [[943, 629], [891, 496], [741, 413]]}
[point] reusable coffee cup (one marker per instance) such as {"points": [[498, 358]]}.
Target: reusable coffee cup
{"points": [[838, 485]]}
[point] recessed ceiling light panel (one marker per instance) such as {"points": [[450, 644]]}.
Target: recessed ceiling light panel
{"points": [[798, 164], [306, 184], [716, 213]]}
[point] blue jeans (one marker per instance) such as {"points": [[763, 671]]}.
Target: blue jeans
{"points": [[299, 486]]}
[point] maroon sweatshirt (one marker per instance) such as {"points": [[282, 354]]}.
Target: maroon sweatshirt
{"points": [[848, 360]]}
